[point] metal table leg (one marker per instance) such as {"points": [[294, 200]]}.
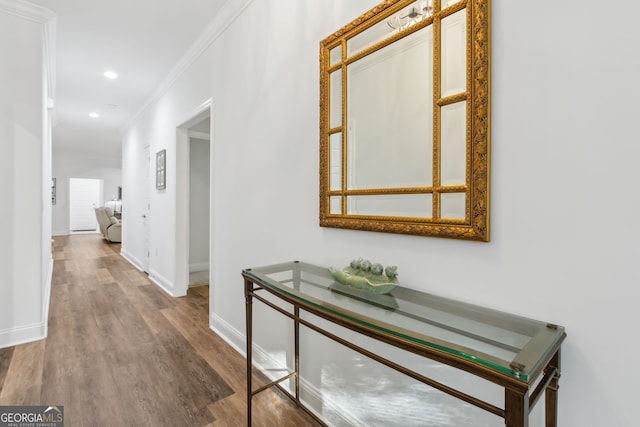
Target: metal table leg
{"points": [[248, 289]]}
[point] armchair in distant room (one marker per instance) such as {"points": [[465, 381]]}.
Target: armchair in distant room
{"points": [[116, 207], [116, 204], [110, 226]]}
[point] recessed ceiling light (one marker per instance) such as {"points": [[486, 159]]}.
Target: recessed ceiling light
{"points": [[110, 75], [94, 115]]}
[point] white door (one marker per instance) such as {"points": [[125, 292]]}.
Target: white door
{"points": [[84, 196]]}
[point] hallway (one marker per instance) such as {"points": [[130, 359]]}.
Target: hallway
{"points": [[120, 352]]}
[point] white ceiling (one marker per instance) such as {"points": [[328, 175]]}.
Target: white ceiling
{"points": [[141, 40]]}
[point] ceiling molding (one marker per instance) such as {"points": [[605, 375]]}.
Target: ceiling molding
{"points": [[26, 10], [229, 12]]}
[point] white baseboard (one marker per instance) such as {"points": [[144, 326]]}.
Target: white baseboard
{"points": [[199, 266], [164, 283], [228, 333], [314, 397], [132, 259], [47, 297], [60, 233], [23, 335], [157, 278], [34, 332]]}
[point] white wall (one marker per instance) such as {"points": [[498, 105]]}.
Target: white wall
{"points": [[77, 165], [564, 175], [25, 172], [199, 190]]}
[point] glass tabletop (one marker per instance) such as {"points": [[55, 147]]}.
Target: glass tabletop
{"points": [[510, 344]]}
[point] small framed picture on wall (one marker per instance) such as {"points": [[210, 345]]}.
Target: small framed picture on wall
{"points": [[53, 191], [161, 169]]}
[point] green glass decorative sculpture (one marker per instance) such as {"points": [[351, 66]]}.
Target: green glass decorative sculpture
{"points": [[362, 274]]}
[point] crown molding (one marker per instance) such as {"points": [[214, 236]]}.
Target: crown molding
{"points": [[26, 10], [228, 13]]}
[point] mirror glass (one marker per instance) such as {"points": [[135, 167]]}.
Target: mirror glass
{"points": [[381, 89], [404, 120], [336, 98]]}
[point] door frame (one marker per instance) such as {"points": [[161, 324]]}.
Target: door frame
{"points": [[182, 195]]}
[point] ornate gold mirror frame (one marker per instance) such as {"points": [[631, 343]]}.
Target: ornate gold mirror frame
{"points": [[405, 120]]}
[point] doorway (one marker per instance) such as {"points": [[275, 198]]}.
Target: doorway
{"points": [[199, 189], [84, 196], [194, 221]]}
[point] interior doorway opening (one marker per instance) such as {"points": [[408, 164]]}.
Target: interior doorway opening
{"points": [[193, 200], [199, 200], [85, 194]]}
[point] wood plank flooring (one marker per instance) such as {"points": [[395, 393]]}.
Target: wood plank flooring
{"points": [[120, 352]]}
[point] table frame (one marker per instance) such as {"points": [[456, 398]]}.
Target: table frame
{"points": [[519, 397]]}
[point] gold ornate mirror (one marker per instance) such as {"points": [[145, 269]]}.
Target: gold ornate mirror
{"points": [[404, 120]]}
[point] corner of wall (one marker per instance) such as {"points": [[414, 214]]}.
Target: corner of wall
{"points": [[37, 331], [228, 333], [34, 293], [131, 259], [164, 283], [23, 334], [47, 298]]}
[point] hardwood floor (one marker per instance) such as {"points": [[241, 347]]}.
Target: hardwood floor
{"points": [[120, 352]]}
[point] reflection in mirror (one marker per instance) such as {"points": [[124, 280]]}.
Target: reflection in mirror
{"points": [[336, 98], [454, 56], [382, 88], [336, 55], [452, 205], [336, 161], [378, 31], [404, 120], [336, 205], [392, 205], [453, 154]]}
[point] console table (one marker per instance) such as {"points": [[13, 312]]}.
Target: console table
{"points": [[513, 352]]}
